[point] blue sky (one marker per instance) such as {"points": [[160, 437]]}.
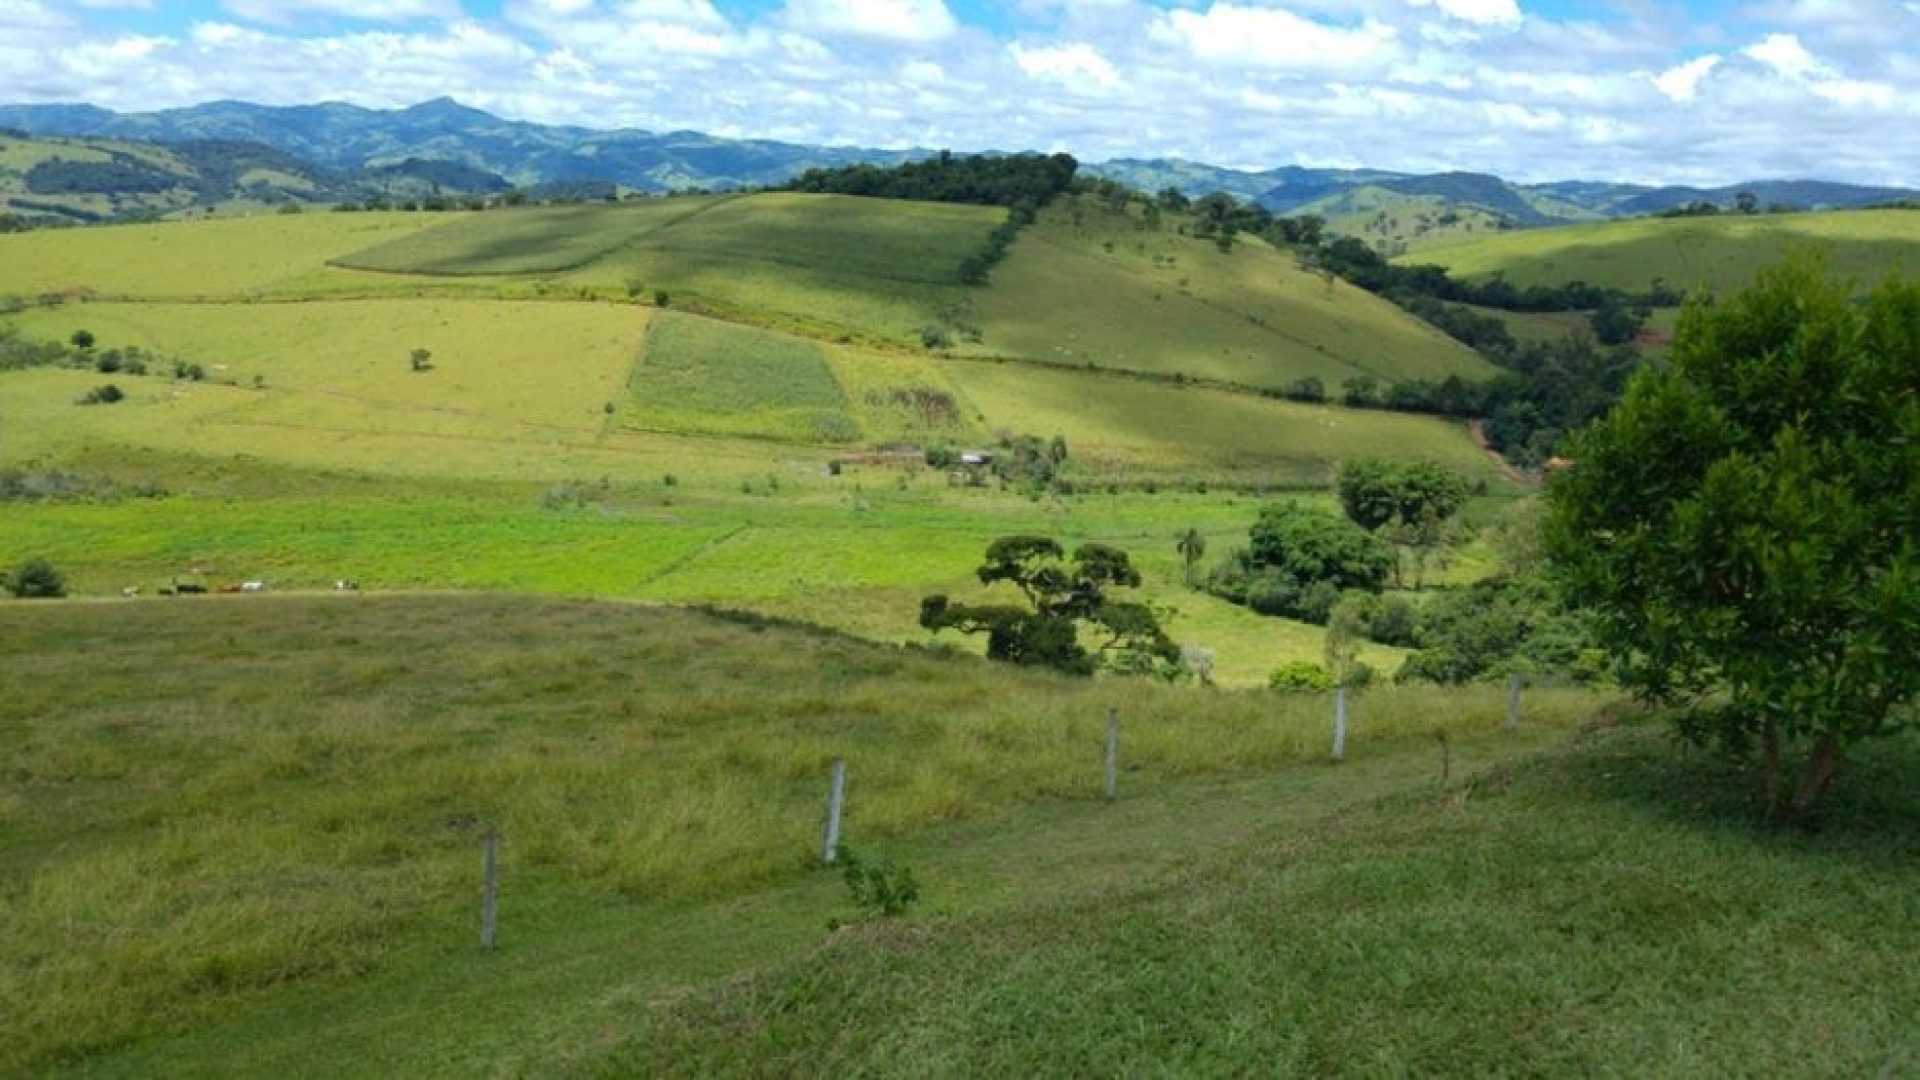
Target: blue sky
{"points": [[1711, 91]]}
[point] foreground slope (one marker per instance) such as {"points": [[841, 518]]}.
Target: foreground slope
{"points": [[1718, 253], [266, 808]]}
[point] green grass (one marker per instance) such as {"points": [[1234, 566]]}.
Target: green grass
{"points": [[1720, 254], [1085, 287], [218, 805], [1606, 910], [705, 376], [524, 240], [1139, 429], [224, 258]]}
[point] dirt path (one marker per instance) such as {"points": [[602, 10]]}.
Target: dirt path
{"points": [[1477, 430]]}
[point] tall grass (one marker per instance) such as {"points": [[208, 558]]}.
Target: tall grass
{"points": [[206, 799]]}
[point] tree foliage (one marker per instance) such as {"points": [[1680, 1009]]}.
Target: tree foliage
{"points": [[990, 180], [1298, 561], [1060, 597], [1374, 492], [1747, 522], [36, 579]]}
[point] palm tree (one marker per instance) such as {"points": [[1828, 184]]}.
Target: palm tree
{"points": [[1192, 547]]}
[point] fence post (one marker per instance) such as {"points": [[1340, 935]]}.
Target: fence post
{"points": [[1513, 701], [490, 871], [836, 798], [1339, 723], [1113, 748]]}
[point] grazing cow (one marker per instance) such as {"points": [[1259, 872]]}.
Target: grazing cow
{"points": [[131, 590], [184, 588], [253, 586], [346, 585], [228, 589]]}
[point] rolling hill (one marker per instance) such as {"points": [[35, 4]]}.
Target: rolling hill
{"points": [[1718, 253]]}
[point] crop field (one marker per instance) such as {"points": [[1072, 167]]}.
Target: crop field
{"points": [[1719, 254], [277, 798], [1101, 291], [229, 257], [705, 376], [1140, 428]]}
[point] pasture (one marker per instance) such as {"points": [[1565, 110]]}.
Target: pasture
{"points": [[1719, 254], [709, 377], [221, 814], [1088, 288]]}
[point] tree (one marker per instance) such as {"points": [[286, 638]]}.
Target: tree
{"points": [[420, 359], [1746, 523], [82, 340], [1746, 202], [36, 578], [1192, 548], [1060, 597], [1375, 492], [1298, 562]]}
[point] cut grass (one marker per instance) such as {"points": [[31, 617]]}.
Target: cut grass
{"points": [[1606, 910], [185, 260], [1720, 254], [1137, 429], [262, 794], [496, 366], [705, 376], [524, 240]]}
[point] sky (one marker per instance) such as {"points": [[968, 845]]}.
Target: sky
{"points": [[1693, 91]]}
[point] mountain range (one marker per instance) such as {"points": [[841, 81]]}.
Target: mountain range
{"points": [[445, 146]]}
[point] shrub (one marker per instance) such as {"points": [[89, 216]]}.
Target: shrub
{"points": [[1300, 675], [36, 579], [101, 395], [881, 887]]}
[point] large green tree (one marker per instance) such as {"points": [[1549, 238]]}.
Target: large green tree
{"points": [[1061, 596], [1746, 523]]}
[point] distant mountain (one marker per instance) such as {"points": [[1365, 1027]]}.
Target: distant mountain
{"points": [[442, 145], [92, 178], [348, 137]]}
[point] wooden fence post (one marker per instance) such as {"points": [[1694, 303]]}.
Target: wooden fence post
{"points": [[490, 871], [1113, 749], [836, 799], [1339, 723], [1513, 701]]}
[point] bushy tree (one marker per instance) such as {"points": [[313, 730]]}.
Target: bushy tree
{"points": [[1375, 492], [1298, 561], [36, 579], [1746, 522], [1060, 597]]}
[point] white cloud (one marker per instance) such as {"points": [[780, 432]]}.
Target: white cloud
{"points": [[1480, 12], [1275, 38], [1078, 64], [1784, 54], [283, 12], [1682, 82], [883, 20]]}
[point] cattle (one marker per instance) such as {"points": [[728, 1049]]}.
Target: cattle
{"points": [[131, 590], [346, 585], [253, 586]]}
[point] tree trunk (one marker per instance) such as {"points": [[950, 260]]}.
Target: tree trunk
{"points": [[1770, 765], [1820, 770]]}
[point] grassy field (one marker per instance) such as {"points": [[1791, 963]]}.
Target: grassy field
{"points": [[1716, 253], [227, 258], [215, 806], [241, 837], [1086, 287], [540, 239], [1604, 910], [1137, 428], [709, 377]]}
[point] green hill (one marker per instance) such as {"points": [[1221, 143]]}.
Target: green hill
{"points": [[1088, 287], [1718, 253]]}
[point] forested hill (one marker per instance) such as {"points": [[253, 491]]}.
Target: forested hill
{"points": [[988, 180]]}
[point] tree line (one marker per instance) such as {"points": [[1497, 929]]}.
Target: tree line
{"points": [[1012, 180]]}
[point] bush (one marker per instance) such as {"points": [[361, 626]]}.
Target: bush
{"points": [[1300, 675], [36, 579], [101, 395], [878, 888]]}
